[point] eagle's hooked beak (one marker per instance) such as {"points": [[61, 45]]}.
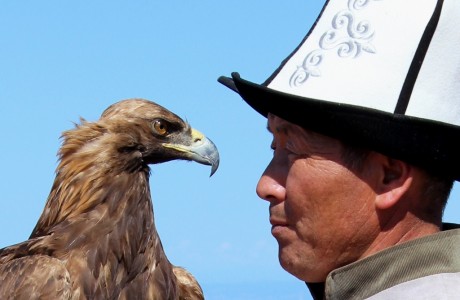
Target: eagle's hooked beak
{"points": [[201, 150]]}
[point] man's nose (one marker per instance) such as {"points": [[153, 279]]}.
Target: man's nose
{"points": [[271, 185]]}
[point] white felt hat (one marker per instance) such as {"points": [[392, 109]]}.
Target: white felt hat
{"points": [[384, 74]]}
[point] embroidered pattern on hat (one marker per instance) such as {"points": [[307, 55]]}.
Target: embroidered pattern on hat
{"points": [[348, 35]]}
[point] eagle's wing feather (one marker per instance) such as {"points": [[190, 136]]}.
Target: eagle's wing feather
{"points": [[34, 277], [188, 286]]}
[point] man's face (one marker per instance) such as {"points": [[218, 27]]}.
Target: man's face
{"points": [[322, 214]]}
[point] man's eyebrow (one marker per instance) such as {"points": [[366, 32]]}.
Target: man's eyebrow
{"points": [[282, 128], [269, 129]]}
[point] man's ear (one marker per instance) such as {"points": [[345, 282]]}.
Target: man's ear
{"points": [[395, 178]]}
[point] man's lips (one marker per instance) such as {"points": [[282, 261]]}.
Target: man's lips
{"points": [[277, 222], [278, 226]]}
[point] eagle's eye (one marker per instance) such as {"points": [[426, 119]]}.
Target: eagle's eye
{"points": [[160, 127]]}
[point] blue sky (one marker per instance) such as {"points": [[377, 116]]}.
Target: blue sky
{"points": [[62, 60]]}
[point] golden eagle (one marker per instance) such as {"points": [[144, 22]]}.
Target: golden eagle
{"points": [[96, 237]]}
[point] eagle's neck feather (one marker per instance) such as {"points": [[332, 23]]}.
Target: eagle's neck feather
{"points": [[100, 199], [98, 218]]}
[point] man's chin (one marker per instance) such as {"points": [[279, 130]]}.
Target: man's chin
{"points": [[300, 265]]}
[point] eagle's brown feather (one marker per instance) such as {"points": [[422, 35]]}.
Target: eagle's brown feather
{"points": [[96, 238]]}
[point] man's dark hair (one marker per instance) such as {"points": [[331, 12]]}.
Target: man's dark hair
{"points": [[436, 192]]}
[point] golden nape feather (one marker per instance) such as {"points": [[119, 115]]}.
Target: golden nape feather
{"points": [[96, 237]]}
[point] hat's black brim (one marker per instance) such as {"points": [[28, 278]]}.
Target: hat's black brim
{"points": [[429, 144]]}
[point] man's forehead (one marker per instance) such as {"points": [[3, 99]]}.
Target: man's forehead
{"points": [[279, 125]]}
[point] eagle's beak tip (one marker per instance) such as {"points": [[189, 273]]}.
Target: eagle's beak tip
{"points": [[214, 167]]}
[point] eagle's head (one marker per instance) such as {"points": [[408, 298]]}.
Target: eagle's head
{"points": [[147, 133], [104, 163]]}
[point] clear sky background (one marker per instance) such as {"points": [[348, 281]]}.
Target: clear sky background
{"points": [[62, 60]]}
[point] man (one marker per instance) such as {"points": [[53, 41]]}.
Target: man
{"points": [[365, 121]]}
